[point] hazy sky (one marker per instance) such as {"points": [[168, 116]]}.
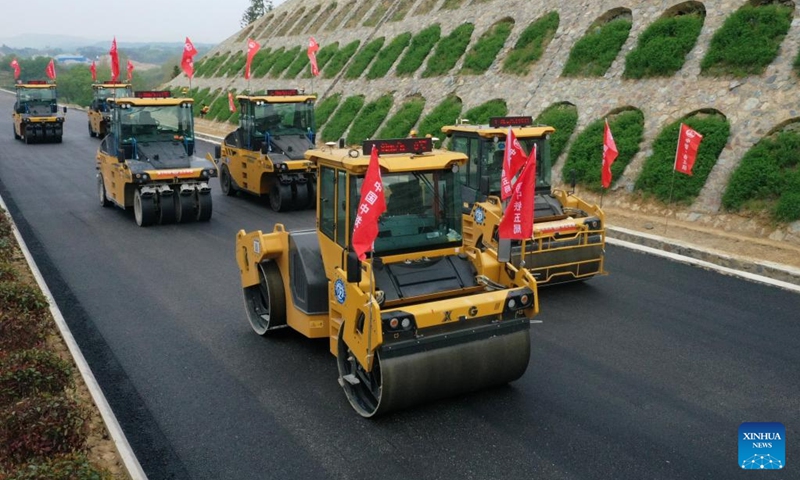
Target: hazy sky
{"points": [[207, 21]]}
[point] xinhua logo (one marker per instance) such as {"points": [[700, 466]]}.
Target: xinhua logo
{"points": [[762, 446]]}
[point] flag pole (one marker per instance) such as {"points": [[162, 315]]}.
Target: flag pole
{"points": [[369, 306], [666, 214]]}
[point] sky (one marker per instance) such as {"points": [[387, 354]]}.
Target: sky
{"points": [[203, 21]]}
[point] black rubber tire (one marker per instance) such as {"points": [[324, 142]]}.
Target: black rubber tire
{"points": [[203, 212], [226, 182], [167, 210], [265, 303], [184, 207], [365, 399], [280, 196], [101, 191], [27, 140], [144, 209]]}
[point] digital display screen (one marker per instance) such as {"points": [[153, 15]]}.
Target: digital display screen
{"points": [[153, 94], [496, 122], [399, 145], [282, 93], [36, 82]]}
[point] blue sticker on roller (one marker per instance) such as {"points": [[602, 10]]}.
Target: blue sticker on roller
{"points": [[339, 290]]}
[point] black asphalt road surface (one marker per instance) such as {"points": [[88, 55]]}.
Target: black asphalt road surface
{"points": [[645, 373]]}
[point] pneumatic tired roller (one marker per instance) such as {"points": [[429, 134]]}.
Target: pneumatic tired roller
{"points": [[443, 319]]}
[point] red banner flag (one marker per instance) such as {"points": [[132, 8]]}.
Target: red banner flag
{"points": [[371, 206], [688, 144], [15, 66], [517, 221], [231, 104], [252, 49], [513, 160], [93, 69], [610, 153], [130, 70], [51, 70], [313, 48], [114, 61], [187, 62]]}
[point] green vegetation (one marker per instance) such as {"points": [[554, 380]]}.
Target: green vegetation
{"points": [[748, 41], [283, 59], [337, 61], [564, 118], [324, 109], [377, 13], [369, 119], [449, 50], [355, 19], [446, 113], [324, 55], [483, 53], [25, 373], [401, 123], [425, 7], [593, 54], [421, 46], [363, 58], [388, 56], [74, 466], [235, 66], [531, 45], [657, 177], [663, 47], [326, 15], [342, 118], [481, 114], [219, 104], [402, 10], [295, 16], [211, 65], [339, 16], [768, 177], [451, 4], [262, 61], [586, 154]]}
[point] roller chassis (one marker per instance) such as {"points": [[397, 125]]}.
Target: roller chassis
{"points": [[38, 129], [36, 117]]}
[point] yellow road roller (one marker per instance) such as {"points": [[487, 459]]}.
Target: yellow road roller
{"points": [[568, 242], [423, 317], [36, 117], [99, 111]]}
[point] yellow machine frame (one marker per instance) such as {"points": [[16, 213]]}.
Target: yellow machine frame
{"points": [[30, 127], [99, 119]]}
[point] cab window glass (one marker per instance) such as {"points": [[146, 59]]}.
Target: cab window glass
{"points": [[327, 201], [341, 209]]}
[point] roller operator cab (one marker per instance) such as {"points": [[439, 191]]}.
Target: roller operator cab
{"points": [[99, 111], [266, 154], [147, 161], [568, 240], [36, 117], [444, 319]]}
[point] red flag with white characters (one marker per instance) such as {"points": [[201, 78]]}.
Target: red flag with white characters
{"points": [[517, 221], [252, 49], [51, 70], [313, 48], [15, 65], [130, 70], [688, 144], [371, 206], [610, 153], [187, 62], [231, 104], [93, 69], [114, 61], [513, 160]]}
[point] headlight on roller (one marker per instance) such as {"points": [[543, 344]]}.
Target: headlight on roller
{"points": [[518, 300], [398, 322], [593, 223]]}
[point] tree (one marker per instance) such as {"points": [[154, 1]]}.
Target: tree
{"points": [[175, 71], [255, 11]]}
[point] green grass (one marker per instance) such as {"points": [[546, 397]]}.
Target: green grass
{"points": [[377, 13], [327, 14], [233, 66], [594, 53], [481, 114], [768, 178], [421, 45], [339, 16], [291, 22], [446, 113], [481, 56], [451, 4], [220, 101], [342, 118], [355, 19], [586, 154], [402, 122], [748, 41], [388, 55], [262, 61], [363, 58], [336, 63], [284, 59], [211, 65], [663, 47], [369, 119], [324, 109], [299, 62], [531, 45], [657, 177], [402, 10], [324, 55], [448, 51], [564, 118]]}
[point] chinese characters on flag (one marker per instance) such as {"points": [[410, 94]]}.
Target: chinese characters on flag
{"points": [[51, 70], [114, 61], [371, 206], [688, 144], [187, 62], [15, 66], [517, 221], [231, 104], [610, 153], [130, 70], [513, 160], [252, 49], [313, 48], [93, 69]]}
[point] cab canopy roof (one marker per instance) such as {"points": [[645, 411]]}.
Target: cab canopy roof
{"points": [[490, 132], [150, 102], [111, 85], [356, 160], [276, 96], [35, 84]]}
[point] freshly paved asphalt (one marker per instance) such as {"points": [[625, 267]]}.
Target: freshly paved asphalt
{"points": [[645, 373]]}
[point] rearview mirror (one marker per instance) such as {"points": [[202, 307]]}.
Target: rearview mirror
{"points": [[217, 151], [121, 155], [484, 185], [504, 250], [573, 180], [65, 109], [353, 268]]}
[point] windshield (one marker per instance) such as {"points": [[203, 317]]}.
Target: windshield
{"points": [[423, 211], [41, 95], [112, 92], [492, 161], [157, 124], [284, 118]]}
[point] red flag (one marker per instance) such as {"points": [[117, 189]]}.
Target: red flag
{"points": [[51, 70], [130, 70], [15, 65], [93, 69], [187, 62], [313, 48], [688, 143], [610, 153], [517, 221], [371, 206], [513, 160], [114, 61], [231, 104], [252, 49]]}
